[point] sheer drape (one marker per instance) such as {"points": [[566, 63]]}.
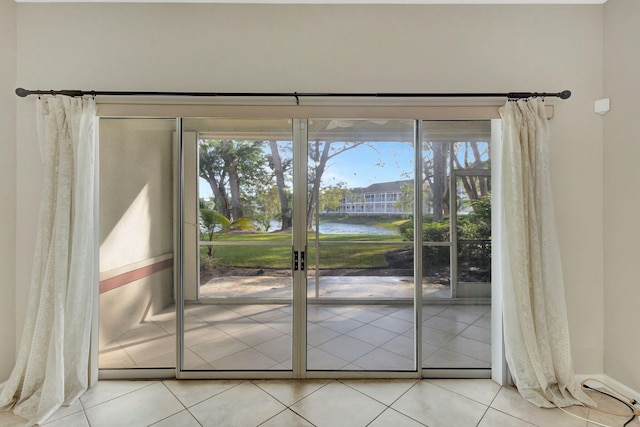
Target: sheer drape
{"points": [[536, 329], [52, 365]]}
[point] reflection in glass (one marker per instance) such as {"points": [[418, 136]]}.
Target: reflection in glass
{"points": [[237, 337], [137, 304]]}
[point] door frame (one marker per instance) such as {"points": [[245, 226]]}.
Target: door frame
{"points": [[498, 370]]}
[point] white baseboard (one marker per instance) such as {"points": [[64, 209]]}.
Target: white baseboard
{"points": [[616, 385]]}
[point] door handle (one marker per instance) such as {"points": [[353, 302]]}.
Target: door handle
{"points": [[298, 261]]}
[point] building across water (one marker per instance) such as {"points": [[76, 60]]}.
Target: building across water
{"points": [[379, 198]]}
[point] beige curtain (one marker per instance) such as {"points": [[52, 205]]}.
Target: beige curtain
{"points": [[52, 364], [536, 330]]}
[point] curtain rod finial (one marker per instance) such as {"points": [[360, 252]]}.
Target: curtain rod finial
{"points": [[21, 92], [565, 94]]}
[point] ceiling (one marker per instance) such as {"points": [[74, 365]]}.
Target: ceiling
{"points": [[331, 1]]}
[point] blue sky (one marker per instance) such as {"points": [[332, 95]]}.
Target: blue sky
{"points": [[364, 165]]}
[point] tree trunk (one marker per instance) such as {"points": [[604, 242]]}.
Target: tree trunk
{"points": [[237, 210], [219, 195], [313, 197], [285, 214], [222, 203], [439, 180]]}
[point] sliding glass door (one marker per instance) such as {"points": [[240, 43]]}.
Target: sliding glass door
{"points": [[455, 228], [296, 248], [360, 281], [238, 312], [137, 245]]}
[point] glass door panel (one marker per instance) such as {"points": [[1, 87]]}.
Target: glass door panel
{"points": [[238, 310], [473, 222], [436, 224], [137, 292], [360, 282], [456, 262]]}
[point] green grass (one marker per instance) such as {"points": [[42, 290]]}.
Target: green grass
{"points": [[346, 255]]}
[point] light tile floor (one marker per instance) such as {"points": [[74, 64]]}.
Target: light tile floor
{"points": [[334, 403], [339, 337]]}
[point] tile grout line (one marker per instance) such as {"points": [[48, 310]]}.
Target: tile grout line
{"points": [[117, 397], [373, 398], [376, 347], [207, 398], [84, 412], [289, 407], [483, 415], [468, 398], [268, 419], [175, 397], [407, 391], [514, 416], [369, 352], [302, 398], [506, 413]]}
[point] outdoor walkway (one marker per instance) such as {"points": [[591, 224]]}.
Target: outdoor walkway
{"points": [[361, 287]]}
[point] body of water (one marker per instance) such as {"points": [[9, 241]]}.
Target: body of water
{"points": [[344, 228]]}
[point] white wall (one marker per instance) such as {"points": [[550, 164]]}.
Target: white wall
{"points": [[621, 201], [8, 40], [346, 48], [136, 191]]}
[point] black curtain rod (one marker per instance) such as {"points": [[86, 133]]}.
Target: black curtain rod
{"points": [[565, 94]]}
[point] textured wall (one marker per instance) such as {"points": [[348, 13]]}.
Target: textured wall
{"points": [[8, 40], [621, 201]]}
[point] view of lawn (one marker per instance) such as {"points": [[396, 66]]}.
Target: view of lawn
{"points": [[346, 255]]}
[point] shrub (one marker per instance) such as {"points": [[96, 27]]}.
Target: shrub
{"points": [[431, 231], [207, 263]]}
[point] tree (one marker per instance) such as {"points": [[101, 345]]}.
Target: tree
{"points": [[235, 171], [476, 187], [331, 197], [435, 156], [280, 168], [405, 202], [465, 156], [320, 152], [268, 207], [213, 170], [213, 223]]}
